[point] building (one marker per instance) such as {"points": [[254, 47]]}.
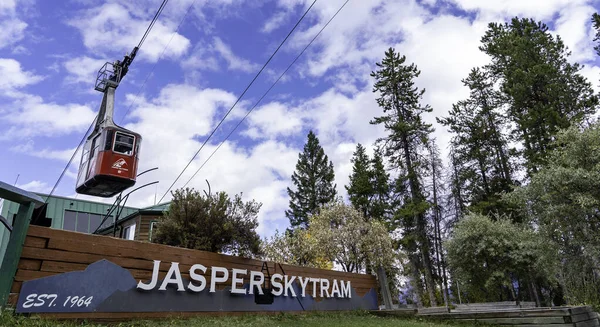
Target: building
{"points": [[85, 216], [137, 225]]}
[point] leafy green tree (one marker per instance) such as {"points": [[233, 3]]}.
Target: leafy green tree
{"points": [[314, 181], [563, 199], [298, 247], [214, 222], [347, 238], [544, 92], [407, 136], [487, 255]]}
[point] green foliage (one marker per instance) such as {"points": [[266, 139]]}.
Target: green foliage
{"points": [[564, 200], [295, 247], [407, 138], [368, 188], [544, 92], [480, 152], [314, 180], [596, 24], [360, 189], [215, 223], [346, 237], [486, 254]]}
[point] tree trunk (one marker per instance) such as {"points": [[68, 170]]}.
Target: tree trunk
{"points": [[429, 278], [416, 280]]}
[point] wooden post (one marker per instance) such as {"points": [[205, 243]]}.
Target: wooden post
{"points": [[10, 262], [385, 288]]}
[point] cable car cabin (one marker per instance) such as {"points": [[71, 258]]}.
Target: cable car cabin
{"points": [[109, 162]]}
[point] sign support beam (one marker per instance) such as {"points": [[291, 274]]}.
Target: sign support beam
{"points": [[28, 202]]}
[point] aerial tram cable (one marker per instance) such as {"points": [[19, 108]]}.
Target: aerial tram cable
{"points": [[265, 94], [95, 122], [238, 99], [159, 58]]}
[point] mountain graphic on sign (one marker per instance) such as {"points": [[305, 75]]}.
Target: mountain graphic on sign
{"points": [[100, 279]]}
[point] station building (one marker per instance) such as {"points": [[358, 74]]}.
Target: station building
{"points": [[86, 216]]}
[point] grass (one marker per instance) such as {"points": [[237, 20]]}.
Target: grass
{"points": [[320, 319]]}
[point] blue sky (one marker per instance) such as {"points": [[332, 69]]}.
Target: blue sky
{"points": [[50, 52]]}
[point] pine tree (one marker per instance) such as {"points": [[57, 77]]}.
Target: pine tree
{"points": [[408, 133], [596, 24], [544, 91], [360, 190], [380, 202], [479, 146], [437, 188], [314, 181]]}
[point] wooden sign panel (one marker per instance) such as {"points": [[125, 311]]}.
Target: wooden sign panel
{"points": [[69, 274]]}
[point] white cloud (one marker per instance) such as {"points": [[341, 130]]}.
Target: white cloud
{"points": [[111, 27], [537, 9], [29, 148], [274, 22], [12, 31], [209, 57], [273, 120], [35, 186], [575, 28], [31, 116], [14, 77], [83, 69], [13, 28]]}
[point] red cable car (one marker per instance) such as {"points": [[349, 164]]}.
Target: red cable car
{"points": [[110, 155]]}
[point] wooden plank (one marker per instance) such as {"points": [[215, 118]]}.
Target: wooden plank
{"points": [[583, 316], [581, 309], [519, 325], [144, 246], [30, 264], [186, 260], [16, 287], [25, 275], [588, 323], [73, 239], [523, 321], [433, 310], [500, 314], [35, 242], [12, 299]]}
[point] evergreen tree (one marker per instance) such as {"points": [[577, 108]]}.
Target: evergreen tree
{"points": [[381, 188], [544, 91], [479, 147], [407, 136], [596, 24], [437, 188], [314, 181], [360, 190]]}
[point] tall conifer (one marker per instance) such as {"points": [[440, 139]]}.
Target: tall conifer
{"points": [[313, 181]]}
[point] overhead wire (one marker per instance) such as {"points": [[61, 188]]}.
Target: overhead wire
{"points": [[267, 92], [154, 19], [238, 99], [159, 58], [158, 12]]}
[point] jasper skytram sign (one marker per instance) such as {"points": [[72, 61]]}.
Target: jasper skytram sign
{"points": [[106, 287]]}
